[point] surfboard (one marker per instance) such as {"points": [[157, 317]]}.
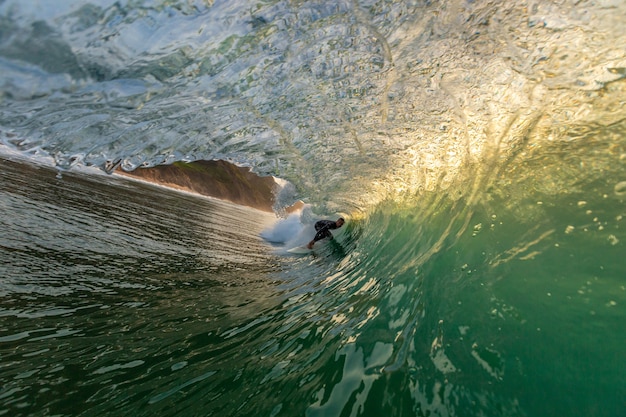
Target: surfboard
{"points": [[299, 250]]}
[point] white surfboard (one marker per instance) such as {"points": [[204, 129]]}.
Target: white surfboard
{"points": [[299, 250]]}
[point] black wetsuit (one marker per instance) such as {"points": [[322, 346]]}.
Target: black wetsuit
{"points": [[323, 228]]}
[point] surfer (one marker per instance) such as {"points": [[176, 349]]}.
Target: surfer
{"points": [[323, 228]]}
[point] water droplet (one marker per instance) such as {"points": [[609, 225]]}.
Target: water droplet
{"points": [[179, 365], [620, 189]]}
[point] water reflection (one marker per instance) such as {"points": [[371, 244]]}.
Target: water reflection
{"points": [[110, 284]]}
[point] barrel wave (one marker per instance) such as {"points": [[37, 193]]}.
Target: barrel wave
{"points": [[477, 150]]}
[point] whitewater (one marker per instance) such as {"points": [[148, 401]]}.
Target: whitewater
{"points": [[477, 150]]}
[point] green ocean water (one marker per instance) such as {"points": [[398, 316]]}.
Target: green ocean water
{"points": [[121, 298]]}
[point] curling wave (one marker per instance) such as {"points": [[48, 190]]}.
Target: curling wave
{"points": [[350, 101]]}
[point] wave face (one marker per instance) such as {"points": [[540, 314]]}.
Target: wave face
{"points": [[348, 100], [479, 148]]}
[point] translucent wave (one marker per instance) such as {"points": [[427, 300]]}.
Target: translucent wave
{"points": [[350, 101]]}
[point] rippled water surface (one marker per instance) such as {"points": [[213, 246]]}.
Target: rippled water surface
{"points": [[349, 100], [118, 296], [121, 298]]}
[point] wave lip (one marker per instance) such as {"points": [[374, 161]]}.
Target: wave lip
{"points": [[349, 104]]}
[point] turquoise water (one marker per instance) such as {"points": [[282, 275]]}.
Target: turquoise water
{"points": [[478, 151], [122, 298]]}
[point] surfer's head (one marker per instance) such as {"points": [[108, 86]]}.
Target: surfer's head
{"points": [[340, 222]]}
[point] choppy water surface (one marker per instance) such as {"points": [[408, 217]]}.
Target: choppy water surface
{"points": [[349, 100], [117, 294], [120, 298]]}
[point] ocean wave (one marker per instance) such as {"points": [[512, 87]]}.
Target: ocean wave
{"points": [[353, 103]]}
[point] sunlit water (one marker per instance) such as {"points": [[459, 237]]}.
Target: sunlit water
{"points": [[121, 298], [477, 149], [118, 297]]}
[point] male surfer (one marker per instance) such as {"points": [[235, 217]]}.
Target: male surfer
{"points": [[323, 228]]}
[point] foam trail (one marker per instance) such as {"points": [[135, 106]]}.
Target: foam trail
{"points": [[284, 230], [297, 229], [288, 233]]}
